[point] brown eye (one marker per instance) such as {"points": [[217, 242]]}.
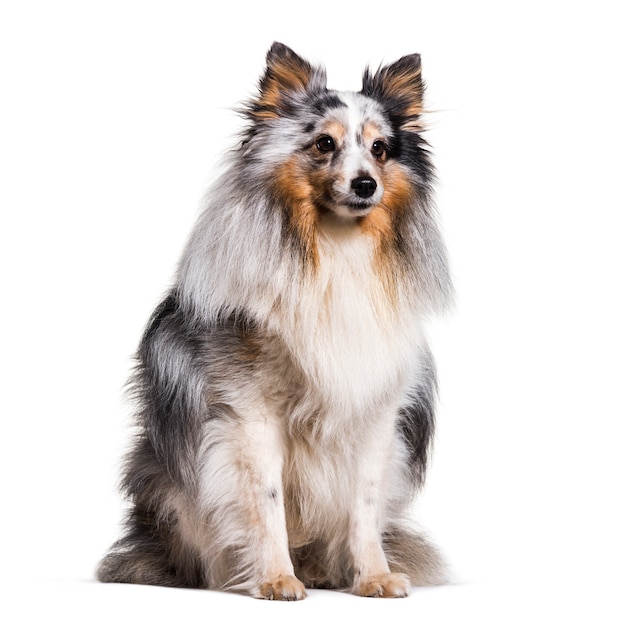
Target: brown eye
{"points": [[379, 149], [325, 143]]}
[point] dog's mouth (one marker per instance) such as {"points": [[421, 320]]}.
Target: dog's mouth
{"points": [[360, 206], [348, 209], [348, 205], [358, 210]]}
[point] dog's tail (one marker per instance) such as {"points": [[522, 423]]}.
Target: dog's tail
{"points": [[411, 553], [145, 556], [123, 565]]}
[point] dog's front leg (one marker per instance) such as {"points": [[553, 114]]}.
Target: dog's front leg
{"points": [[372, 574], [242, 481]]}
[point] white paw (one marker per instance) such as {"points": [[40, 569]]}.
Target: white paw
{"points": [[388, 585], [283, 587]]}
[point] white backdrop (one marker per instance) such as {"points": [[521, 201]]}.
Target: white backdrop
{"points": [[113, 116]]}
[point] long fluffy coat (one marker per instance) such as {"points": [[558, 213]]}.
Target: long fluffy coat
{"points": [[285, 391]]}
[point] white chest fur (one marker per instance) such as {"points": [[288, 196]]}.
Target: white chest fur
{"points": [[352, 342]]}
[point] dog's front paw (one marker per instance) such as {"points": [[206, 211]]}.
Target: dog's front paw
{"points": [[283, 587], [388, 585]]}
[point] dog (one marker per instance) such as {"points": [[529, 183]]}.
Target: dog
{"points": [[285, 390]]}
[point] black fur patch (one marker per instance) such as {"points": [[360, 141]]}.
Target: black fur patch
{"points": [[417, 422], [168, 386], [321, 103], [411, 149]]}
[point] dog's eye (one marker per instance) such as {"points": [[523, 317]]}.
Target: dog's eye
{"points": [[325, 144], [379, 149]]}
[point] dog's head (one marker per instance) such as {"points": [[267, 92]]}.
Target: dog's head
{"points": [[348, 153]]}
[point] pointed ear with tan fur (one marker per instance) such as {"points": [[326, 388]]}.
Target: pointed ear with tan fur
{"points": [[399, 87], [287, 75]]}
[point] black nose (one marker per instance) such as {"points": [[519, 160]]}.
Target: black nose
{"points": [[364, 186]]}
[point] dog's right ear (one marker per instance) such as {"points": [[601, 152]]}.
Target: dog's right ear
{"points": [[286, 75], [400, 88]]}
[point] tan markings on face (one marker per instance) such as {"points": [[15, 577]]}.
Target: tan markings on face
{"points": [[337, 131], [396, 196], [398, 189], [294, 188], [379, 224], [372, 133]]}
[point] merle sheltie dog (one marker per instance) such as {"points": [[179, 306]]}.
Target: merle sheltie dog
{"points": [[285, 389]]}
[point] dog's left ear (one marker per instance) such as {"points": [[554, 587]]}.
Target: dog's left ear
{"points": [[286, 75], [399, 87]]}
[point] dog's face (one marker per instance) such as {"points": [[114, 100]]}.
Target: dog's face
{"points": [[350, 154], [344, 160]]}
